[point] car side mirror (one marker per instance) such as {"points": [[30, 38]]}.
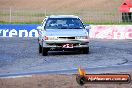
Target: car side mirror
{"points": [[88, 27], [39, 28]]}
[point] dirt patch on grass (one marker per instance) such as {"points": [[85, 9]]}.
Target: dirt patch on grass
{"points": [[59, 5], [89, 10]]}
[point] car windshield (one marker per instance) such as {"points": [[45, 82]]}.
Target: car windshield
{"points": [[64, 23]]}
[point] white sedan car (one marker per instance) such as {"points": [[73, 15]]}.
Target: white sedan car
{"points": [[63, 32]]}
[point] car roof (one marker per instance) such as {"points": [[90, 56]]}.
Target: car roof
{"points": [[62, 16]]}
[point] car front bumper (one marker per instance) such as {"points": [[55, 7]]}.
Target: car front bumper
{"points": [[58, 44]]}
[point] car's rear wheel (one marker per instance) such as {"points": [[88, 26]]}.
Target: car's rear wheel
{"points": [[85, 50], [44, 51], [40, 48]]}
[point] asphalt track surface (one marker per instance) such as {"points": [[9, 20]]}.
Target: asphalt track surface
{"points": [[20, 56]]}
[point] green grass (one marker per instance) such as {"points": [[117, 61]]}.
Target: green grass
{"points": [[94, 23], [109, 23], [34, 22]]}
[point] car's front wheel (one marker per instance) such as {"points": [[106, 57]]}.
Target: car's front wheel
{"points": [[85, 50], [40, 48], [44, 51]]}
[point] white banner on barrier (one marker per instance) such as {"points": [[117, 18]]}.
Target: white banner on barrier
{"points": [[96, 31], [111, 31], [18, 33]]}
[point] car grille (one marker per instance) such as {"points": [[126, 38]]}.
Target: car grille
{"points": [[66, 37], [75, 44]]}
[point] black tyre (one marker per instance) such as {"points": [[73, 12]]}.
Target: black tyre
{"points": [[123, 17], [44, 51], [40, 48], [85, 50], [80, 80], [126, 17], [130, 16]]}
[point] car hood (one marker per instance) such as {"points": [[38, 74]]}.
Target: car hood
{"points": [[66, 32]]}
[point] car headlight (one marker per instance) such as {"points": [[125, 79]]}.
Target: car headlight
{"points": [[82, 37], [52, 38]]}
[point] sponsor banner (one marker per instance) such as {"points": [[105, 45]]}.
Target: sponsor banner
{"points": [[111, 31], [18, 30], [83, 78], [96, 31]]}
